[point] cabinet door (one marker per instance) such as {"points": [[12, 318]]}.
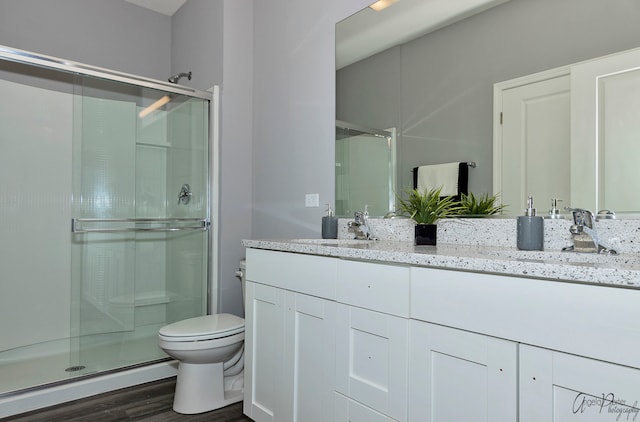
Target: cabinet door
{"points": [[460, 376], [347, 410], [371, 359], [309, 359], [558, 387], [264, 352]]}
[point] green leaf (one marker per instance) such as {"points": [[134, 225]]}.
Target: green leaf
{"points": [[427, 207], [480, 205]]}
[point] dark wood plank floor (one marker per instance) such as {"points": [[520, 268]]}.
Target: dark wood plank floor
{"points": [[147, 402]]}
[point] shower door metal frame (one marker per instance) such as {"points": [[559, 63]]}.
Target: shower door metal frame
{"points": [[41, 60], [211, 95]]}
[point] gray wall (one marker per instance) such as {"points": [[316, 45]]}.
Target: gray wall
{"points": [[106, 33], [196, 42], [438, 89], [294, 112], [214, 40], [235, 148]]}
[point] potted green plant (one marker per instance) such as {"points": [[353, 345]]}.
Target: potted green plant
{"points": [[426, 208], [481, 205]]}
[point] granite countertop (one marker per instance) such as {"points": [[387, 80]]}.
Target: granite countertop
{"points": [[609, 270]]}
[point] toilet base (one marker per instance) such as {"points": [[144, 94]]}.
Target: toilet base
{"points": [[200, 388]]}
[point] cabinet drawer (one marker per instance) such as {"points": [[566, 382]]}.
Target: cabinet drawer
{"points": [[371, 359], [308, 274], [602, 321], [379, 287]]}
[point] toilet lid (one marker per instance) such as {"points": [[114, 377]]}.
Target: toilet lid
{"points": [[203, 327]]}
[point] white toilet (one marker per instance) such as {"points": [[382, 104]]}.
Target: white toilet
{"points": [[210, 352]]}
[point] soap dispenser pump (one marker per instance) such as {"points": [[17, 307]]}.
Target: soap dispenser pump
{"points": [[530, 229], [329, 225], [554, 212]]}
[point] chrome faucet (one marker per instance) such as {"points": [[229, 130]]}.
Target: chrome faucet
{"points": [[584, 236], [360, 225]]}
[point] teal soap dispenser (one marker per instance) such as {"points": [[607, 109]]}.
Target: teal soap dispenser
{"points": [[530, 229], [329, 225]]}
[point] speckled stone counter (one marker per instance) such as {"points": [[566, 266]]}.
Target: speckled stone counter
{"points": [[617, 271], [621, 235]]}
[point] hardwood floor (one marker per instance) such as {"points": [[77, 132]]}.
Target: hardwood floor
{"points": [[147, 402]]}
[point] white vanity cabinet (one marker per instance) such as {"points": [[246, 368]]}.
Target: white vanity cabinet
{"points": [[457, 375], [558, 387], [308, 358], [574, 344], [460, 370], [289, 337], [372, 334], [326, 339], [371, 364], [331, 339], [264, 352]]}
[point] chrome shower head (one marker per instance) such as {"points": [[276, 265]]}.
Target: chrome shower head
{"points": [[175, 78]]}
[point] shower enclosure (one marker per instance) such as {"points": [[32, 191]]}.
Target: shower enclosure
{"points": [[365, 170], [104, 217]]}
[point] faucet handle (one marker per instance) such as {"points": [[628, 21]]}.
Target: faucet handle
{"points": [[581, 217], [605, 215]]}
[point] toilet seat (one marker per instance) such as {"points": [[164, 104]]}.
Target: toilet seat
{"points": [[207, 327]]}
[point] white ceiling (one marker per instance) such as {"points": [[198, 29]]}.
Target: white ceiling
{"points": [[368, 32], [166, 7]]}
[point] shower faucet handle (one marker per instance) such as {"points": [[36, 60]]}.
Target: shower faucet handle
{"points": [[185, 194]]}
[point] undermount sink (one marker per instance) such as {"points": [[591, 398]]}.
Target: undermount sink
{"points": [[345, 243], [558, 256]]}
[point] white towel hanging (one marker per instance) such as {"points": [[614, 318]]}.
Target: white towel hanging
{"points": [[439, 175]]}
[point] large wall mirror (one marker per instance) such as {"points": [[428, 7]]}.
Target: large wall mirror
{"points": [[435, 85]]}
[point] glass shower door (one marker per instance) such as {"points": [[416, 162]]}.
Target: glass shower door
{"points": [[365, 170], [140, 227]]}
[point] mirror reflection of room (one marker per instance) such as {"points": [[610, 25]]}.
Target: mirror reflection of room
{"points": [[437, 87], [365, 169]]}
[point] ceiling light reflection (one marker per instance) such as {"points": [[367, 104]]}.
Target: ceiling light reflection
{"points": [[153, 107], [382, 4]]}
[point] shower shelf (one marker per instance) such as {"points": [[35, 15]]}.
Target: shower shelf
{"points": [[151, 143], [78, 225]]}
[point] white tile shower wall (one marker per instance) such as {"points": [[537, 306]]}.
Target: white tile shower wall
{"points": [[621, 235], [35, 168]]}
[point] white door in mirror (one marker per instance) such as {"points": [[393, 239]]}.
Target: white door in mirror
{"points": [[605, 105], [531, 145]]}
